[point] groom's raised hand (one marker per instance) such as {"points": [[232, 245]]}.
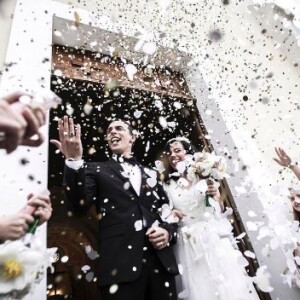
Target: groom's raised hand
{"points": [[69, 142]]}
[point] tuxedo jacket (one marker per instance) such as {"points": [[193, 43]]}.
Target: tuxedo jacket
{"points": [[121, 212]]}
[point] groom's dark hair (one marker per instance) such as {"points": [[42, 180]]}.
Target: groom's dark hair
{"points": [[130, 128]]}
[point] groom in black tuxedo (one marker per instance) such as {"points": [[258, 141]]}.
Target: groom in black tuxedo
{"points": [[136, 257]]}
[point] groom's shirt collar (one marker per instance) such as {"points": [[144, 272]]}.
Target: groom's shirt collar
{"points": [[132, 172]]}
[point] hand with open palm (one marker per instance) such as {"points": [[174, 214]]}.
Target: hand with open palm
{"points": [[282, 158], [69, 142]]}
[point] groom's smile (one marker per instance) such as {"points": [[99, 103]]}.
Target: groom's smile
{"points": [[119, 138]]}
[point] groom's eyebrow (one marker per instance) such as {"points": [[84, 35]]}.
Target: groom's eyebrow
{"points": [[118, 127]]}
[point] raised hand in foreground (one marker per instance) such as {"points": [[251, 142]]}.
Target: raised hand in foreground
{"points": [[284, 160], [69, 142], [20, 123]]}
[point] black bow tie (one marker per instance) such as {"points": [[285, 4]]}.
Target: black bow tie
{"points": [[131, 160]]}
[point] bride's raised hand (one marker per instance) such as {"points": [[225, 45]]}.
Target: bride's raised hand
{"points": [[69, 139]]}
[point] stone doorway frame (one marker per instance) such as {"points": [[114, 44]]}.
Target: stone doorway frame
{"points": [[29, 65]]}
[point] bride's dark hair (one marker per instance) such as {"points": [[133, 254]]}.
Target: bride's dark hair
{"points": [[296, 215], [187, 146]]}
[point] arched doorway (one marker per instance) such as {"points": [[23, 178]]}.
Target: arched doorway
{"points": [[95, 90]]}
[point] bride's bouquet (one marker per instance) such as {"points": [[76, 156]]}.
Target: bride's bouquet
{"points": [[22, 267], [206, 165]]}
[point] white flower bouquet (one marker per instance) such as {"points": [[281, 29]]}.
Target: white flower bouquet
{"points": [[206, 165], [22, 267]]}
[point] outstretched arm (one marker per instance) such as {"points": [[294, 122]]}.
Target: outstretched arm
{"points": [[81, 187], [80, 184], [284, 160]]}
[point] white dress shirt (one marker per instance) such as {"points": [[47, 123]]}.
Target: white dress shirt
{"points": [[133, 173]]}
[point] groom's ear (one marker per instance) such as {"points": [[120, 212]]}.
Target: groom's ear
{"points": [[133, 139]]}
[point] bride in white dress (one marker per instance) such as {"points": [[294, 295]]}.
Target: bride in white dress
{"points": [[211, 267]]}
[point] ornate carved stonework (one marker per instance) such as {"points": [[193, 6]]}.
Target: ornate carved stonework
{"points": [[96, 67]]}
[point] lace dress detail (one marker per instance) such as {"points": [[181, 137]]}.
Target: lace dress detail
{"points": [[211, 267]]}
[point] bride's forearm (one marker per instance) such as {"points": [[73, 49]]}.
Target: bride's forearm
{"points": [[296, 170]]}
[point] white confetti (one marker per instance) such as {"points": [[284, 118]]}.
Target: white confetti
{"points": [[70, 110], [89, 276], [249, 253], [58, 72], [183, 294], [113, 288], [149, 48], [85, 268], [252, 214], [262, 279], [163, 122], [251, 226], [158, 104], [151, 182], [58, 33], [240, 236], [138, 113], [181, 167], [127, 184], [64, 259], [177, 105], [87, 108], [180, 269], [264, 231], [240, 190], [130, 70], [138, 225], [159, 166]]}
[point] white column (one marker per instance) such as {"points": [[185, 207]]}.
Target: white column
{"points": [[29, 57], [7, 8]]}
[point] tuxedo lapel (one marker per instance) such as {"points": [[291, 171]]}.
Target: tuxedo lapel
{"points": [[119, 171], [144, 185]]}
